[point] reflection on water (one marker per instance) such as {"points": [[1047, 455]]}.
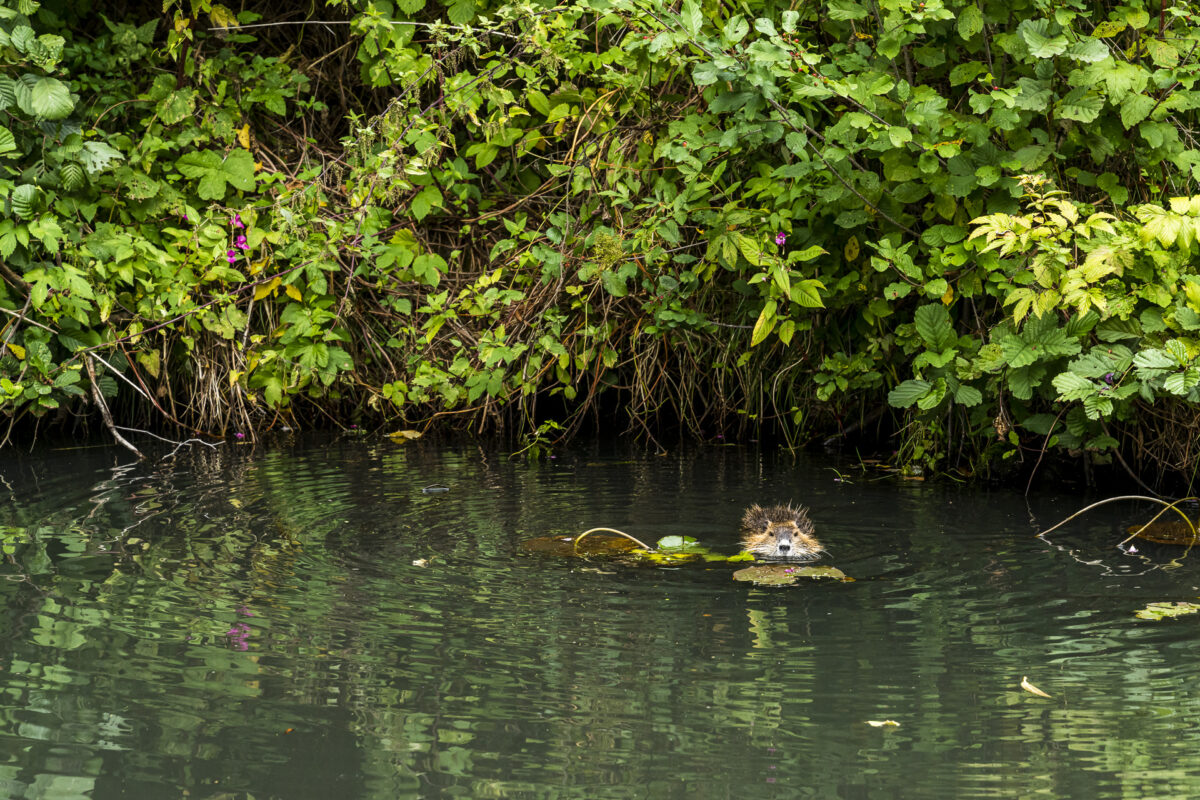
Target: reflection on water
{"points": [[259, 623]]}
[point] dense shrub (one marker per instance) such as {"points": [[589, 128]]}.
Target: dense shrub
{"points": [[979, 215]]}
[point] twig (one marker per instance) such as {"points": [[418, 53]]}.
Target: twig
{"points": [[1125, 497], [610, 530], [168, 441], [104, 412], [1042, 452]]}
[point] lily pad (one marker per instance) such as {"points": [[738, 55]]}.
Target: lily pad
{"points": [[1157, 611], [786, 575], [1174, 531], [680, 544]]}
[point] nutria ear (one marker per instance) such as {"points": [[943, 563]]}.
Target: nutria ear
{"points": [[755, 519]]}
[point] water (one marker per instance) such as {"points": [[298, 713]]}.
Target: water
{"points": [[251, 623]]}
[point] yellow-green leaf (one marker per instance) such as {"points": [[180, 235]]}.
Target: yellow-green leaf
{"points": [[766, 321]]}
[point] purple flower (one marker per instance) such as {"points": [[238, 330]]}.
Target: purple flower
{"points": [[239, 436], [1110, 378], [238, 636], [237, 221], [241, 241], [231, 256], [780, 238]]}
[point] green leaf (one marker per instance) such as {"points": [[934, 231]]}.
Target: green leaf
{"points": [[934, 398], [1073, 387], [425, 201], [970, 21], [177, 106], [764, 324], [796, 142], [1109, 28], [1081, 105], [1134, 109], [1041, 45], [1023, 380], [97, 156], [1180, 383], [933, 325], [845, 10], [691, 17], [49, 98], [24, 200], [750, 248], [735, 29], [1161, 52], [765, 26], [7, 143], [71, 175], [1153, 362], [1041, 339], [214, 172], [462, 12], [908, 393], [613, 283], [968, 396], [807, 293], [807, 254], [538, 102], [1088, 50], [899, 136]]}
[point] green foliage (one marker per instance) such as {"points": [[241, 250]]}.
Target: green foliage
{"points": [[728, 217]]}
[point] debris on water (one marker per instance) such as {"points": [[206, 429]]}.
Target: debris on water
{"points": [[435, 489], [1166, 610]]}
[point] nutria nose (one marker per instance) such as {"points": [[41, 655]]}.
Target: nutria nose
{"points": [[785, 547]]}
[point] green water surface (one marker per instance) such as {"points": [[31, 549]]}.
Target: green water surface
{"points": [[301, 620]]}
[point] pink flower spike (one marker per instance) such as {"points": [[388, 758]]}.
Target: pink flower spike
{"points": [[780, 238], [241, 242], [237, 221], [231, 256], [239, 436]]}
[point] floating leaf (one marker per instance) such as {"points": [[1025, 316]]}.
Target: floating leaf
{"points": [[1029, 687], [401, 436], [1167, 532], [1159, 611], [680, 543], [785, 574], [883, 723]]}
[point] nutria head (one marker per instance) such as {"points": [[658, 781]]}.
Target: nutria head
{"points": [[780, 532]]}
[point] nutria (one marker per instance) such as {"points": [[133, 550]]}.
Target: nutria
{"points": [[780, 532]]}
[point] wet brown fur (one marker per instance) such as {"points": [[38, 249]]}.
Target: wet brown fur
{"points": [[782, 532]]}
